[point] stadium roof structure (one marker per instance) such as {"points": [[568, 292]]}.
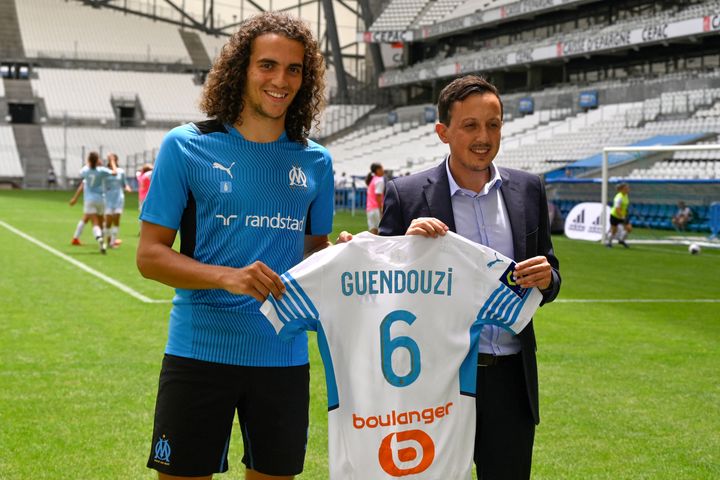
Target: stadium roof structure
{"points": [[204, 16], [622, 157]]}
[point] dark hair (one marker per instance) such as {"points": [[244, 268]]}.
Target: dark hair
{"points": [[461, 88], [93, 159], [223, 92], [113, 157], [374, 167], [620, 186]]}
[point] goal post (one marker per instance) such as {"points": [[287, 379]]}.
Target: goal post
{"points": [[655, 148]]}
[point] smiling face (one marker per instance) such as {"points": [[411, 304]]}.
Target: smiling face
{"points": [[274, 77], [473, 135]]}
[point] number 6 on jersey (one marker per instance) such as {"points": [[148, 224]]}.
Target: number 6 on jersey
{"points": [[388, 346]]}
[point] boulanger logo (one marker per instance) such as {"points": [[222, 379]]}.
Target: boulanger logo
{"points": [[297, 177], [406, 453], [162, 451]]}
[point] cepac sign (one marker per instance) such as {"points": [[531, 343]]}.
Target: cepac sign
{"points": [[584, 222]]}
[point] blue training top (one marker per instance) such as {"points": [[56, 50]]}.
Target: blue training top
{"points": [[114, 185], [93, 189], [235, 202]]}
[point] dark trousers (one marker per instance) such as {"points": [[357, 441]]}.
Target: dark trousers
{"points": [[505, 425]]}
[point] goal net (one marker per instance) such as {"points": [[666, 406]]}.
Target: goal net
{"points": [[691, 177]]}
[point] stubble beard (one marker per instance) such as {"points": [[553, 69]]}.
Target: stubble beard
{"points": [[258, 109]]}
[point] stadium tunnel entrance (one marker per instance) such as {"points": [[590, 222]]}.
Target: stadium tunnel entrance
{"points": [[21, 112]]}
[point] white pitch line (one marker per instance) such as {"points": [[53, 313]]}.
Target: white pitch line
{"points": [[637, 300], [82, 266], [143, 298]]}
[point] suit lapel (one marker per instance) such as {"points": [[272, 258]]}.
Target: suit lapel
{"points": [[513, 198], [437, 196]]}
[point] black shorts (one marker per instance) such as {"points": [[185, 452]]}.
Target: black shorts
{"points": [[617, 220], [196, 405]]}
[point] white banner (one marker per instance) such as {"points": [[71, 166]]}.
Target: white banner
{"points": [[392, 54], [583, 222], [616, 40], [385, 37]]}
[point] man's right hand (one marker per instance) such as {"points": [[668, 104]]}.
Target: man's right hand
{"points": [[427, 227], [257, 280]]}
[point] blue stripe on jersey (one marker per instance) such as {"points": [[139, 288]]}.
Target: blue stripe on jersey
{"points": [[237, 202], [280, 310], [510, 300], [292, 303], [487, 312], [468, 368], [331, 383], [518, 308], [296, 289], [501, 308]]}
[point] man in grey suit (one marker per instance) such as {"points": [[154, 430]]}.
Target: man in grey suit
{"points": [[503, 209]]}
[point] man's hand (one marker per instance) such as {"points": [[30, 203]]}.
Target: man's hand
{"points": [[534, 272], [344, 237], [256, 280], [427, 227]]}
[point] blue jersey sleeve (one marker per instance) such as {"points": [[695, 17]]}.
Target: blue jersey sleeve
{"points": [[167, 198], [321, 209]]}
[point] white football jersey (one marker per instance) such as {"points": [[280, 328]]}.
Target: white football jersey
{"points": [[398, 321]]}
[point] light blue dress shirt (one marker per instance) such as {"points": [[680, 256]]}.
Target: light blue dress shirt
{"points": [[482, 218]]}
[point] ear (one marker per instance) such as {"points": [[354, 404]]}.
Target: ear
{"points": [[441, 130]]}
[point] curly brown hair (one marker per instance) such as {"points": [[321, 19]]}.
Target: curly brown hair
{"points": [[223, 92]]}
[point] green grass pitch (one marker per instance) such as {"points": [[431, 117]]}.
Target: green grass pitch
{"points": [[629, 388]]}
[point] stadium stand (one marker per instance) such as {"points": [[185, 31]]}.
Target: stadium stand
{"points": [[95, 78], [10, 164], [74, 143], [399, 15], [55, 29], [435, 12], [213, 44], [338, 117], [93, 93]]}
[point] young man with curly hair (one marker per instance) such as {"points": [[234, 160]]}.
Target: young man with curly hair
{"points": [[250, 196]]}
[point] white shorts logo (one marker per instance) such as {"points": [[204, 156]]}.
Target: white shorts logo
{"points": [[297, 177]]}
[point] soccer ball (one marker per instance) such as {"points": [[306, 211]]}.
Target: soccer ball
{"points": [[694, 249]]}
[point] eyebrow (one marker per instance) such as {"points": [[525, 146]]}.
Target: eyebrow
{"points": [[275, 62]]}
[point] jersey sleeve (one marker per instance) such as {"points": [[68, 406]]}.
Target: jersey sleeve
{"points": [[321, 209], [168, 194], [508, 305], [297, 310]]}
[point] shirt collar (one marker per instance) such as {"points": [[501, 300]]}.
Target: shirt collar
{"points": [[495, 181]]}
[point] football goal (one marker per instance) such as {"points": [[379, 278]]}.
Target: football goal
{"points": [[685, 179]]}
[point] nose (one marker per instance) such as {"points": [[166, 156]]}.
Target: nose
{"points": [[483, 134], [280, 79]]}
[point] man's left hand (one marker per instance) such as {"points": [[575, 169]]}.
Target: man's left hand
{"points": [[534, 272]]}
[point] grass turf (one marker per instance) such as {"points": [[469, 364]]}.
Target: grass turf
{"points": [[628, 390]]}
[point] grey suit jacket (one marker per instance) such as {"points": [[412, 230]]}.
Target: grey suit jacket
{"points": [[427, 194]]}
